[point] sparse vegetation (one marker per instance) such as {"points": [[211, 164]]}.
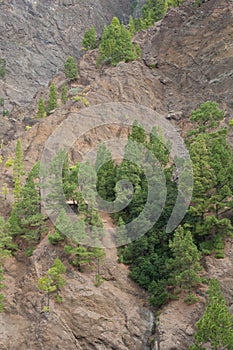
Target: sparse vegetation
{"points": [[53, 98], [41, 109], [70, 68], [2, 68], [89, 39], [52, 282]]}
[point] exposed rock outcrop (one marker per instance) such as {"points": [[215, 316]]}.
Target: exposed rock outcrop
{"points": [[37, 36], [112, 316]]}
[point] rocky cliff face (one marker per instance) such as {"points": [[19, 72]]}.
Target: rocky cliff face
{"points": [[187, 59], [111, 316], [193, 49], [37, 36]]}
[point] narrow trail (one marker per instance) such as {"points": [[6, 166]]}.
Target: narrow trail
{"points": [[111, 253], [112, 264]]}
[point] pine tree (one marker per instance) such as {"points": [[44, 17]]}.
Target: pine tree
{"points": [[87, 179], [80, 256], [56, 199], [53, 98], [6, 245], [64, 94], [89, 39], [18, 170], [70, 68], [63, 229], [216, 325], [53, 281], [26, 218], [41, 109], [5, 190], [204, 179], [105, 173], [207, 116], [121, 233], [185, 263], [131, 26], [116, 44], [153, 11]]}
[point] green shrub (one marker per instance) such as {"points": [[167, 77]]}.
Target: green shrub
{"points": [[29, 251], [5, 113], [219, 255], [55, 238], [98, 280], [9, 162], [81, 99], [70, 68], [89, 39], [74, 91], [191, 299]]}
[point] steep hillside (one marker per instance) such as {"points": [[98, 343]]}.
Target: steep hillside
{"points": [[187, 59], [37, 36], [192, 47]]}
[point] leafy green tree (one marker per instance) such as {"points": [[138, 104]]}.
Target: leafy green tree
{"points": [[216, 325], [53, 281], [53, 98], [41, 109], [185, 263], [18, 170], [64, 94], [70, 68], [89, 39]]}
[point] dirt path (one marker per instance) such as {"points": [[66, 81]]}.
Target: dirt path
{"points": [[108, 241]]}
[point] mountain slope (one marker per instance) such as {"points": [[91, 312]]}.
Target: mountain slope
{"points": [[37, 36], [187, 59]]}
